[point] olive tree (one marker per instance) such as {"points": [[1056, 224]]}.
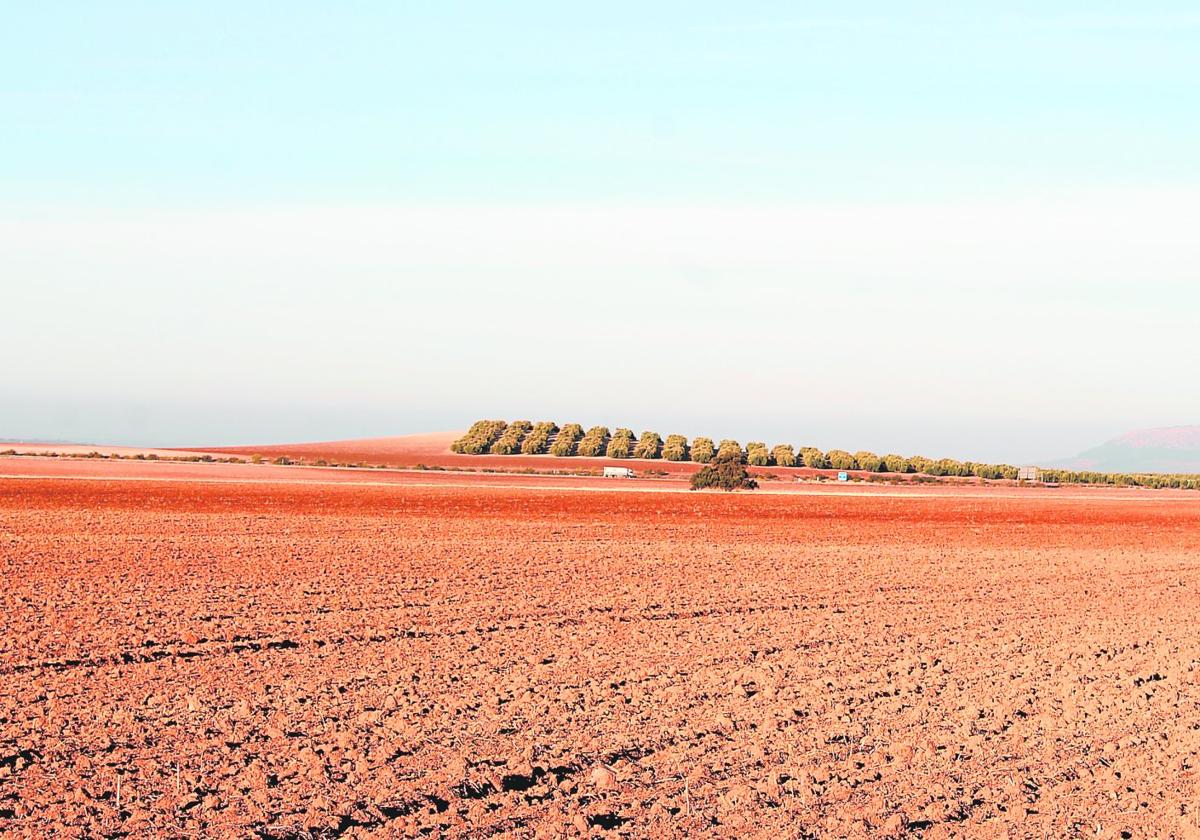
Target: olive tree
{"points": [[731, 447], [538, 440], [648, 446], [868, 461], [568, 437], [703, 450], [676, 448], [783, 455], [920, 464], [621, 445], [594, 442], [480, 437], [814, 458], [726, 472], [839, 459], [757, 454], [510, 442]]}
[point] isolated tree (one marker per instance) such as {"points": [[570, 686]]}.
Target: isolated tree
{"points": [[726, 472]]}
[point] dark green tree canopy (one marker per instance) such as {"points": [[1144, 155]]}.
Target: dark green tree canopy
{"points": [[726, 472]]}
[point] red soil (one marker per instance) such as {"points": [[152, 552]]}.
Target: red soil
{"points": [[85, 449], [433, 450], [131, 470], [240, 656], [400, 451]]}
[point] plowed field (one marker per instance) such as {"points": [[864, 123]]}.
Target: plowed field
{"points": [[252, 658]]}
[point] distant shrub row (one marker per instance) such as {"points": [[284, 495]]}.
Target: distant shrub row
{"points": [[1155, 480], [501, 438], [116, 456]]}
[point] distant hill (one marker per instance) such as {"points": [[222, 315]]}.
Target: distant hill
{"points": [[398, 451], [41, 441], [1174, 449]]}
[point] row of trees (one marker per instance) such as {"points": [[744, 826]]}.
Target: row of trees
{"points": [[1156, 480], [501, 438]]}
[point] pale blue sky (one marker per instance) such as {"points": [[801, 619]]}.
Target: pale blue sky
{"points": [[241, 222]]}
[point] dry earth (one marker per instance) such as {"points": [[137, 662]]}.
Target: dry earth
{"points": [[258, 658]]}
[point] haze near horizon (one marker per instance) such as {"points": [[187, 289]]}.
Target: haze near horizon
{"points": [[964, 234]]}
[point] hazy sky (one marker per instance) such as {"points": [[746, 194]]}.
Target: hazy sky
{"points": [[966, 232]]}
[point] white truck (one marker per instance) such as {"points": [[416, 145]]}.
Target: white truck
{"points": [[618, 472]]}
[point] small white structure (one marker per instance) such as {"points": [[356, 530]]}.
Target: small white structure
{"points": [[618, 472], [1027, 474]]}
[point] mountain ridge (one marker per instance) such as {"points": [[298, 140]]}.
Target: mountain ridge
{"points": [[1165, 449]]}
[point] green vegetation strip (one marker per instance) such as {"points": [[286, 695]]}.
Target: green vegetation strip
{"points": [[501, 438]]}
